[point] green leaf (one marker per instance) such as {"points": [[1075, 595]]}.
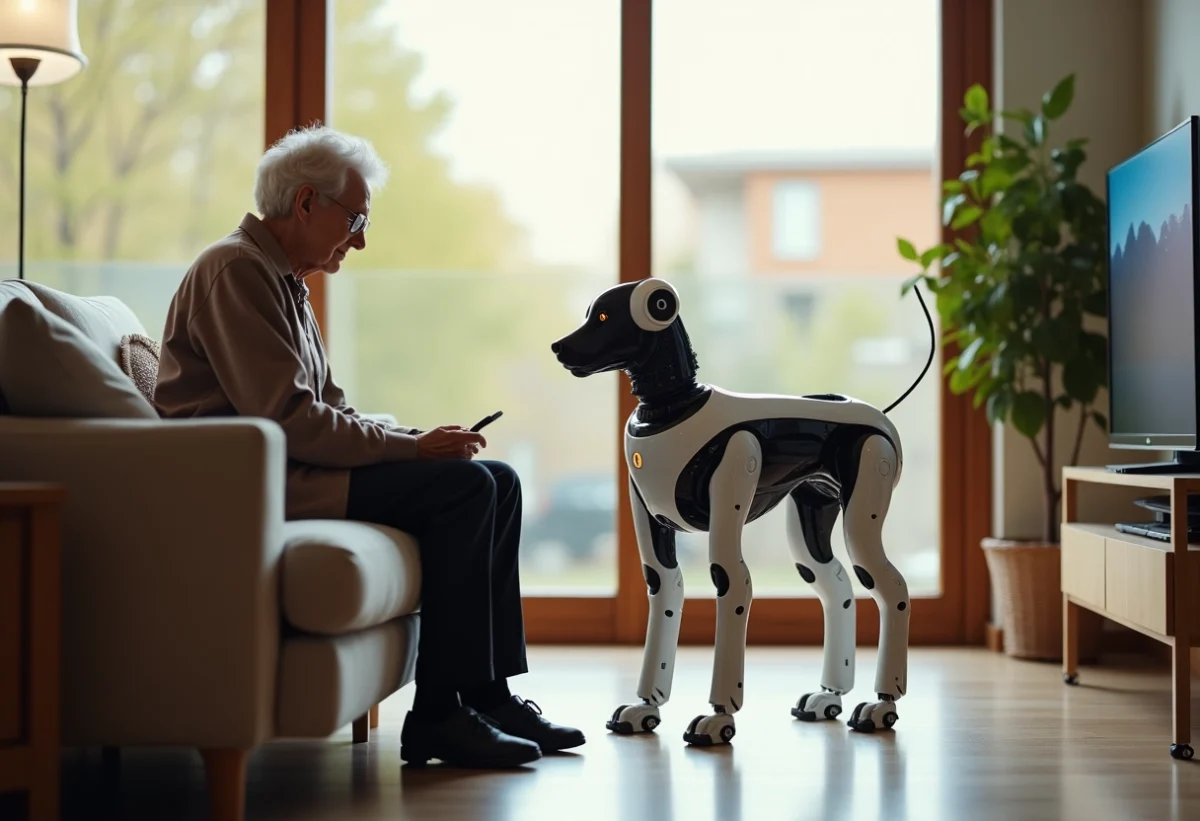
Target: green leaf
{"points": [[936, 252], [1100, 420], [967, 357], [950, 206], [966, 217], [1035, 130], [1056, 102], [912, 282], [1028, 413], [952, 186], [1022, 115], [995, 178], [997, 406], [907, 250], [976, 100]]}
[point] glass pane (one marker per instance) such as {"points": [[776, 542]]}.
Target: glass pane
{"points": [[793, 141], [145, 157], [501, 123]]}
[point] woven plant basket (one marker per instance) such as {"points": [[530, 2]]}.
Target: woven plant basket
{"points": [[1026, 580]]}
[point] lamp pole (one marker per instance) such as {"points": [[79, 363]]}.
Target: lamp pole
{"points": [[24, 68]]}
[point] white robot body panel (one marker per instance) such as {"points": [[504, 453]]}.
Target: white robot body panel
{"points": [[658, 459]]}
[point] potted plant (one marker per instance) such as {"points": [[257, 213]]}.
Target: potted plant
{"points": [[1014, 290]]}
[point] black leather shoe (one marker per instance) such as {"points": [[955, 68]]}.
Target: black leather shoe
{"points": [[464, 739], [523, 719]]}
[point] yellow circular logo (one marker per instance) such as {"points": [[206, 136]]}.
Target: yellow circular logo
{"points": [[637, 459]]}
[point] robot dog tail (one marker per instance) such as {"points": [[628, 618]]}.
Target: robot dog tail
{"points": [[928, 362]]}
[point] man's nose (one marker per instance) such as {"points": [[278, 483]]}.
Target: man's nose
{"points": [[359, 240]]}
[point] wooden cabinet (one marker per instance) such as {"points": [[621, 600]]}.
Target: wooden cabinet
{"points": [[1145, 584], [29, 643]]}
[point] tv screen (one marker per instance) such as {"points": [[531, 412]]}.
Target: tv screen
{"points": [[1152, 304]]}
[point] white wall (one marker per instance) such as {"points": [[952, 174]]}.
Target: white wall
{"points": [[1172, 63], [1103, 42]]}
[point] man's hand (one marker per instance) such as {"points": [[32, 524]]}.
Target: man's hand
{"points": [[449, 442]]}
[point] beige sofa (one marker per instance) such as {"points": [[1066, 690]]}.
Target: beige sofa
{"points": [[193, 613]]}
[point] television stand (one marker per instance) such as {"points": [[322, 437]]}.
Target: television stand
{"points": [[1185, 462], [1147, 585]]}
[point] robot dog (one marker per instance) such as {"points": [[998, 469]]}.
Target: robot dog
{"points": [[704, 459]]}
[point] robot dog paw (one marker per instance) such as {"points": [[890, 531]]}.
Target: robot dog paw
{"points": [[818, 706], [871, 716], [705, 731], [634, 718]]}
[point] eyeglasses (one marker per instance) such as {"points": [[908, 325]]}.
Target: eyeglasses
{"points": [[358, 222]]}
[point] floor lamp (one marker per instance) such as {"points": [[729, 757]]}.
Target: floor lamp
{"points": [[39, 46]]}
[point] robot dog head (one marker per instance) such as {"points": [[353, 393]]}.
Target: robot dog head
{"points": [[620, 327]]}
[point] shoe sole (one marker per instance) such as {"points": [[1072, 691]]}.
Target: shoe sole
{"points": [[570, 745], [499, 763]]}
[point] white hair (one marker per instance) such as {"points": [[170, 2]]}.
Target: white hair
{"points": [[318, 156]]}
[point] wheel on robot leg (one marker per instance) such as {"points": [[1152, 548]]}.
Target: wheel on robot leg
{"points": [[818, 706], [708, 730], [871, 716], [629, 719], [1183, 752], [1070, 678]]}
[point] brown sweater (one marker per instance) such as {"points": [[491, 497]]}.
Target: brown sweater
{"points": [[241, 339]]}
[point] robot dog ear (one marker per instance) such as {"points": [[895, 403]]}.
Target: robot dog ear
{"points": [[653, 304]]}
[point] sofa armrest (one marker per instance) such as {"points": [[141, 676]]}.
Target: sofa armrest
{"points": [[172, 537]]}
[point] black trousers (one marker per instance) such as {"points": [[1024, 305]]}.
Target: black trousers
{"points": [[466, 515]]}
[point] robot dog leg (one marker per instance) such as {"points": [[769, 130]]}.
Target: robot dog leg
{"points": [[730, 493], [809, 525], [664, 585], [865, 510]]}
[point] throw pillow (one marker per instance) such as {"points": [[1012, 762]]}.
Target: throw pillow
{"points": [[139, 361], [49, 368]]}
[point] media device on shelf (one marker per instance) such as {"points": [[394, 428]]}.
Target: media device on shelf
{"points": [[1154, 302]]}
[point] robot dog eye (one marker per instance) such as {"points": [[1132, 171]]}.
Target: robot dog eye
{"points": [[603, 317]]}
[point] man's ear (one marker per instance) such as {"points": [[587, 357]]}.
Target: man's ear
{"points": [[306, 197]]}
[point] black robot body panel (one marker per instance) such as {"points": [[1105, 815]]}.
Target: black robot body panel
{"points": [[795, 452]]}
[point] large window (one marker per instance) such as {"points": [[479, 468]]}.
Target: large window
{"points": [[784, 171], [761, 156], [500, 122], [145, 157]]}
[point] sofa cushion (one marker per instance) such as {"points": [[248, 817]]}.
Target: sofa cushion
{"points": [[339, 576], [49, 368], [102, 319], [327, 682]]}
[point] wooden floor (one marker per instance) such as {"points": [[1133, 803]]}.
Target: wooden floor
{"points": [[980, 736]]}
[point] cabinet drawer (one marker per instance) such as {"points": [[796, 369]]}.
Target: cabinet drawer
{"points": [[1136, 584], [1082, 565]]}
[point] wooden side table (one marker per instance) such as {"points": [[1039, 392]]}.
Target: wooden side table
{"points": [[1141, 583], [29, 643]]}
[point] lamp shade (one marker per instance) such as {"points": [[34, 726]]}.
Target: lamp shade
{"points": [[46, 30]]}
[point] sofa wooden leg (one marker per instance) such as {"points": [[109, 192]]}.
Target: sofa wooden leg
{"points": [[362, 728], [226, 771], [374, 716]]}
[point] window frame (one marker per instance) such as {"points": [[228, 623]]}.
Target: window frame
{"points": [[297, 93]]}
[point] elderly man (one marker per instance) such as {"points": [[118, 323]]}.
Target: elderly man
{"points": [[240, 338]]}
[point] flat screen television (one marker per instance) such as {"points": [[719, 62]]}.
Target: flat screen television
{"points": [[1154, 301]]}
